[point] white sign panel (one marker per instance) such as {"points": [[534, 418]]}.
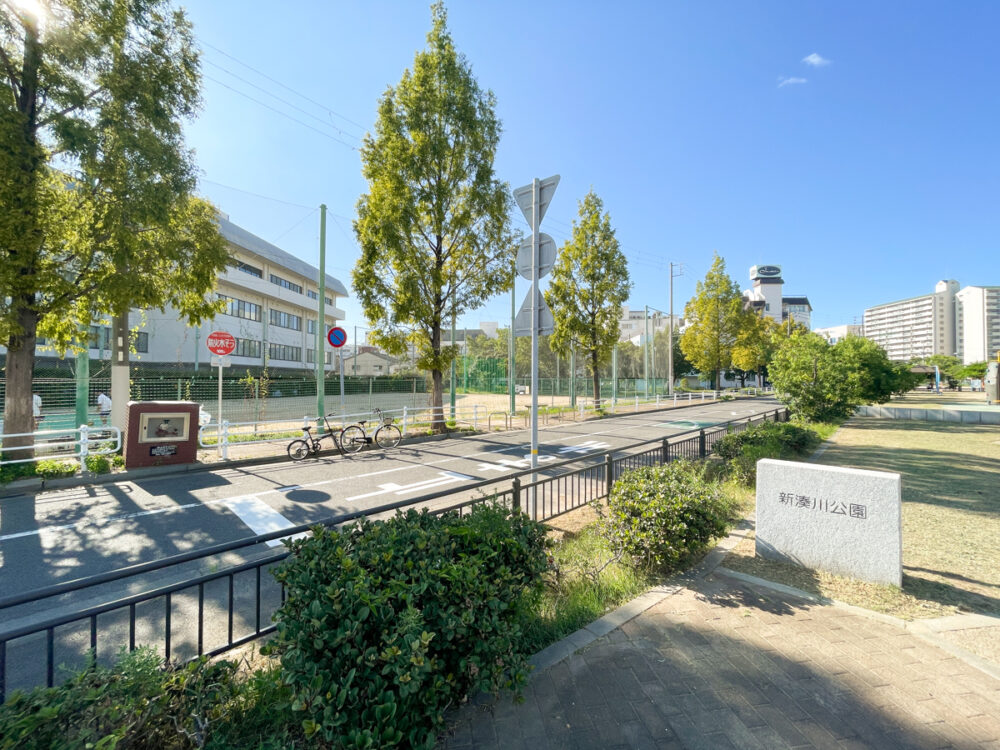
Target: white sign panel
{"points": [[546, 256], [844, 521], [546, 189], [522, 321], [218, 361]]}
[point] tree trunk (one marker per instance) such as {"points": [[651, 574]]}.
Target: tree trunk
{"points": [[18, 415], [437, 383], [597, 379]]}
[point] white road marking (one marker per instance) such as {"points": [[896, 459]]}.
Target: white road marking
{"points": [[506, 464], [259, 516], [443, 478], [585, 447]]}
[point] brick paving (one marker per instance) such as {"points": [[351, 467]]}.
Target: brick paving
{"points": [[722, 663]]}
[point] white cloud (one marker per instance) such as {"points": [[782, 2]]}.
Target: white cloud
{"points": [[815, 60], [783, 81]]}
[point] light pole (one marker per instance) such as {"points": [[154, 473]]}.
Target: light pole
{"points": [[646, 346]]}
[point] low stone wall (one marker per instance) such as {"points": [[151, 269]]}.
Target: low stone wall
{"points": [[930, 415]]}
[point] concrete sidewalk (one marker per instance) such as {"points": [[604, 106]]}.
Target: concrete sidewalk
{"points": [[720, 662]]}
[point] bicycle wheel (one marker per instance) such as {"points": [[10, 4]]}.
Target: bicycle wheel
{"points": [[352, 439], [298, 449], [388, 436]]}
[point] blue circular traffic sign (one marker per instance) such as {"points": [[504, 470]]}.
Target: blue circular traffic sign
{"points": [[337, 337]]}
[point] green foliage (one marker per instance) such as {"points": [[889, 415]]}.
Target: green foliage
{"points": [[434, 227], [716, 317], [585, 580], [97, 464], [386, 624], [660, 515], [794, 439], [100, 94], [782, 440], [976, 370], [590, 283], [140, 702], [827, 383], [12, 472], [53, 468]]}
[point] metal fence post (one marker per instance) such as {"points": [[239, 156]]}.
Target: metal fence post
{"points": [[515, 495], [581, 408], [84, 446], [475, 416], [225, 440], [637, 402], [666, 452], [405, 415], [701, 444], [609, 472]]}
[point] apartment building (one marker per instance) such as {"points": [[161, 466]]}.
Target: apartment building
{"points": [[271, 308], [633, 324], [977, 322]]}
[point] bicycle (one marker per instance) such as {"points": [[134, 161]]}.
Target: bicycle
{"points": [[354, 437], [310, 444]]}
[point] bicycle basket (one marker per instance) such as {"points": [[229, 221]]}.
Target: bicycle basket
{"points": [[386, 419]]}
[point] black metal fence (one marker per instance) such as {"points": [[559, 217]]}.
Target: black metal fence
{"points": [[202, 603]]}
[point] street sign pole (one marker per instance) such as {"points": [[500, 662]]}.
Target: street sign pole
{"points": [[218, 423], [342, 381], [534, 341]]}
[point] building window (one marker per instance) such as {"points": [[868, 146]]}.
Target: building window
{"points": [[247, 348], [284, 352], [286, 284], [141, 342], [240, 308], [315, 295], [311, 327], [286, 320], [247, 268], [100, 337], [311, 356]]}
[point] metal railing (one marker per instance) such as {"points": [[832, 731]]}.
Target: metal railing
{"points": [[544, 493], [80, 442]]}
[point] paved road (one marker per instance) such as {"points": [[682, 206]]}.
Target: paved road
{"points": [[58, 536]]}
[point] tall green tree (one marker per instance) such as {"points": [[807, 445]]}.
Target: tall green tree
{"points": [[590, 283], [715, 318], [434, 228], [94, 171]]}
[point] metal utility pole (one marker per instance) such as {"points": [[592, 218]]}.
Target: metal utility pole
{"points": [[355, 369], [535, 259], [614, 374], [510, 347], [453, 360], [320, 346], [645, 351], [83, 377], [670, 331]]}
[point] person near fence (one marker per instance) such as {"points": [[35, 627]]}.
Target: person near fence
{"points": [[36, 408], [104, 406]]}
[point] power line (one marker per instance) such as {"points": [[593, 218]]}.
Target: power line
{"points": [[284, 86], [283, 101], [255, 195], [275, 240], [280, 112]]}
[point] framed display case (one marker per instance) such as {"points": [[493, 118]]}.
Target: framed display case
{"points": [[164, 427]]}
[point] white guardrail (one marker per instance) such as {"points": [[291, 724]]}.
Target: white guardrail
{"points": [[76, 443]]}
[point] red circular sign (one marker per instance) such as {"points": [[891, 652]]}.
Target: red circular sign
{"points": [[337, 337], [221, 343]]}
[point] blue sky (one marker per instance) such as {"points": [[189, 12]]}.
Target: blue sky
{"points": [[855, 144]]}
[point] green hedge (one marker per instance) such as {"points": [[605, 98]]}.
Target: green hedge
{"points": [[743, 449], [140, 703], [660, 515], [387, 624]]}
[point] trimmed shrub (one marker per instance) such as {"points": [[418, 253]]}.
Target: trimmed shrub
{"points": [[388, 623], [659, 515], [790, 438], [97, 464], [53, 468], [139, 703]]}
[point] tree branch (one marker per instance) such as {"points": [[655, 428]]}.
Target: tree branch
{"points": [[62, 113], [10, 70]]}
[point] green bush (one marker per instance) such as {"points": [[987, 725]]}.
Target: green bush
{"points": [[386, 624], [138, 703], [791, 438], [97, 464], [10, 472], [53, 468], [659, 515]]}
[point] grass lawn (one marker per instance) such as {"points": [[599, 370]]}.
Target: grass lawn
{"points": [[951, 519]]}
